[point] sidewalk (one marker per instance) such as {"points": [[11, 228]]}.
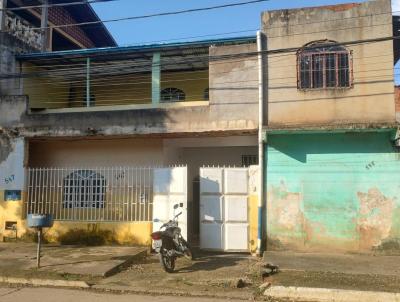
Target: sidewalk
{"points": [[234, 276], [230, 276], [334, 271], [66, 262]]}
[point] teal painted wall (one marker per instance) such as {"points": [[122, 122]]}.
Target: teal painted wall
{"points": [[332, 191]]}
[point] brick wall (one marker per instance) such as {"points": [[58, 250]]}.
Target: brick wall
{"points": [[59, 16]]}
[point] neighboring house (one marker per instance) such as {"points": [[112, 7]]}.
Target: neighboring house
{"points": [[92, 125], [25, 24], [20, 27], [332, 171]]}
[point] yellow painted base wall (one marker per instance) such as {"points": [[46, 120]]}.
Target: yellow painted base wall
{"points": [[11, 211], [129, 233], [132, 233], [253, 218]]}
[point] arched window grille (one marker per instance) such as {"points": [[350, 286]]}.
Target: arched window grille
{"points": [[84, 189], [324, 65], [172, 95]]}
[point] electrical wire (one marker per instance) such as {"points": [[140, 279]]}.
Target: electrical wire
{"points": [[162, 14], [268, 28], [147, 67], [280, 51], [56, 5], [107, 83]]}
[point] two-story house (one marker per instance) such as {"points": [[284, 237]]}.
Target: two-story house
{"points": [[331, 152], [91, 126]]}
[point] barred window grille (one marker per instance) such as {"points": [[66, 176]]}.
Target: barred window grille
{"points": [[172, 95], [84, 189], [324, 65], [249, 160]]}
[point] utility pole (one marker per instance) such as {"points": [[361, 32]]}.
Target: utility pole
{"points": [[44, 21], [3, 14]]}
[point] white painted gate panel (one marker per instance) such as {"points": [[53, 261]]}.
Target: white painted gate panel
{"points": [[224, 219], [170, 188]]}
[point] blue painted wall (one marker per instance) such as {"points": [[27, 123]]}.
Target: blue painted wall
{"points": [[332, 191]]}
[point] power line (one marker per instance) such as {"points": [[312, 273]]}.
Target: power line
{"points": [[106, 84], [128, 73], [130, 62], [275, 51], [55, 5], [269, 51], [218, 34], [268, 28], [151, 15]]}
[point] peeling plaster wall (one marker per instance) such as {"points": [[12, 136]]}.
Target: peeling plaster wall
{"points": [[188, 121], [12, 154], [332, 191], [12, 177], [9, 47]]}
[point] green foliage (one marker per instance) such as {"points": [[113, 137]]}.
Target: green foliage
{"points": [[392, 244], [91, 237], [31, 236]]}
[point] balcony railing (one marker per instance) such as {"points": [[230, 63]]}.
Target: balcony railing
{"points": [[23, 30]]}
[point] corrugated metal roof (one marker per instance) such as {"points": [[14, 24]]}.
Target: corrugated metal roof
{"points": [[136, 48]]}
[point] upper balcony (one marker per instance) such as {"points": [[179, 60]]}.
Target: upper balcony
{"points": [[167, 88], [117, 81]]}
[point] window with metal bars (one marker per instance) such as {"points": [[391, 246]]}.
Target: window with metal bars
{"points": [[324, 65], [249, 160], [84, 189], [172, 95]]}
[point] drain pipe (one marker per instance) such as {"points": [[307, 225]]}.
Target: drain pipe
{"points": [[260, 141]]}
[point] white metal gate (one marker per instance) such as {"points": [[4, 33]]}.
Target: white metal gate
{"points": [[91, 194], [224, 217], [112, 194], [170, 188]]}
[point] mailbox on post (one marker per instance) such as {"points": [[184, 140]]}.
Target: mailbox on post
{"points": [[39, 221]]}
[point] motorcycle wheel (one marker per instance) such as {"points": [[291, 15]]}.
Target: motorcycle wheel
{"points": [[168, 263]]}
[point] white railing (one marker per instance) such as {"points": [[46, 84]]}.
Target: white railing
{"points": [[23, 30], [91, 194]]}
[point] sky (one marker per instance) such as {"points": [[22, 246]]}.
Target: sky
{"points": [[244, 20], [227, 22]]}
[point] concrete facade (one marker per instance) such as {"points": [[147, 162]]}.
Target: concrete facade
{"points": [[217, 131], [331, 159], [9, 47], [372, 64]]}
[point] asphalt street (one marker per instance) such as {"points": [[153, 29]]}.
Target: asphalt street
{"points": [[64, 295]]}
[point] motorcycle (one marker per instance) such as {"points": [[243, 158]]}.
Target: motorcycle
{"points": [[170, 244]]}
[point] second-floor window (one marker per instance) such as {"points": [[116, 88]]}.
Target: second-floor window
{"points": [[324, 65], [172, 95]]}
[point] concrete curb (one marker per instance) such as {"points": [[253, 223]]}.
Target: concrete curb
{"points": [[171, 293], [44, 282], [115, 270], [331, 295]]}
